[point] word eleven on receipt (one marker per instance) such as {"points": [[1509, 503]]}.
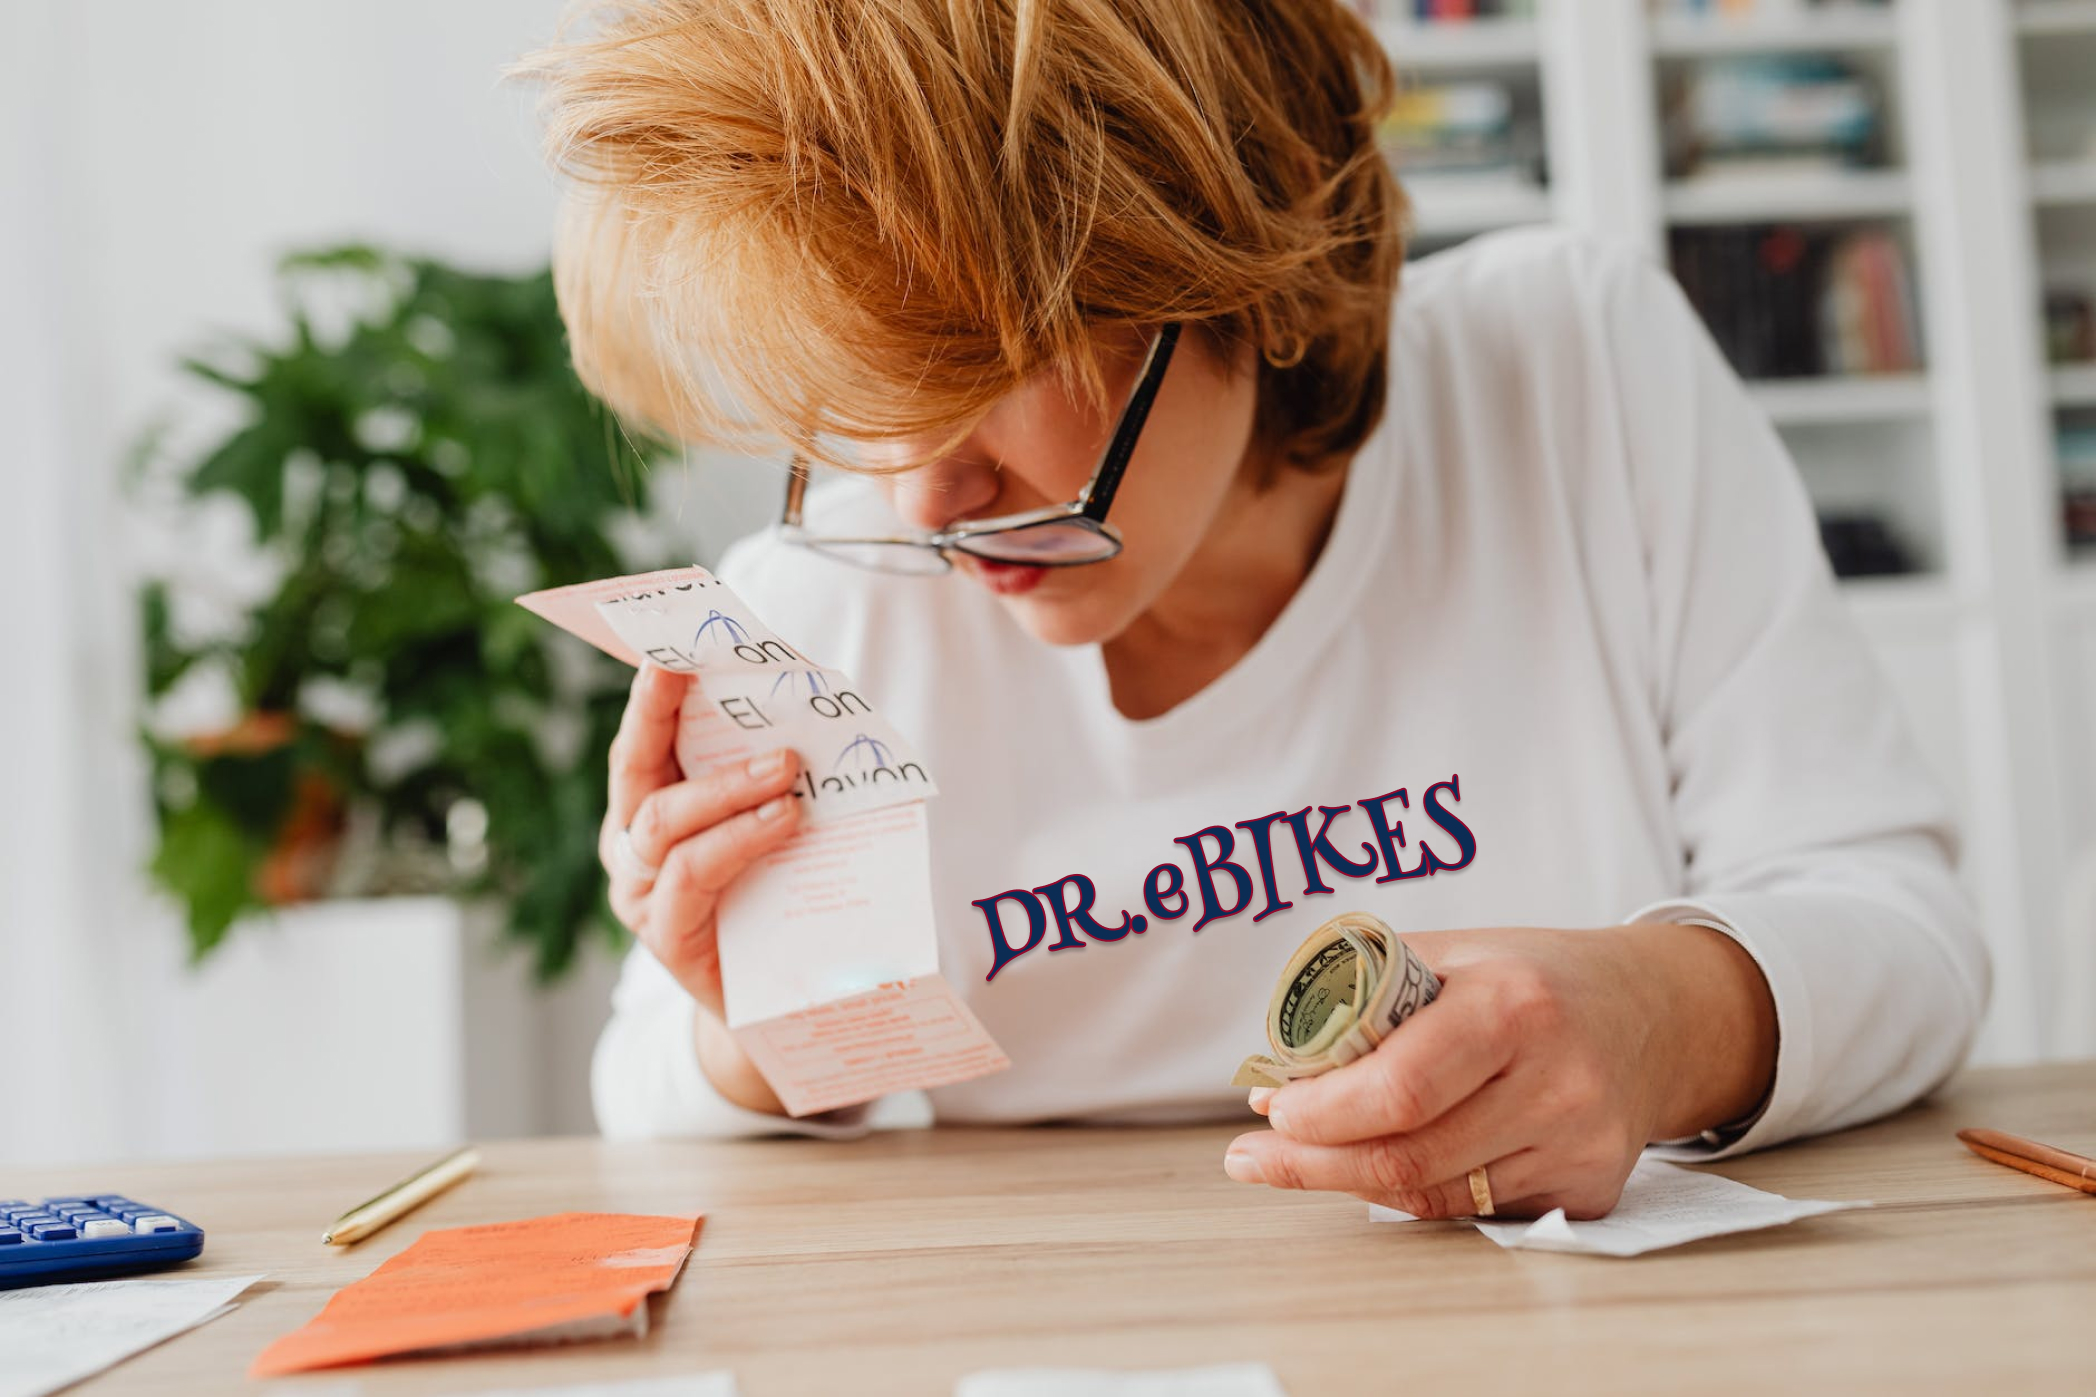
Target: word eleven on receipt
{"points": [[829, 953]]}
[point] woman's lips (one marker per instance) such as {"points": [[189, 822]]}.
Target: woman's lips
{"points": [[1007, 579]]}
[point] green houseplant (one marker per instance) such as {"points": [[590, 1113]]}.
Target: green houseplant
{"points": [[409, 471]]}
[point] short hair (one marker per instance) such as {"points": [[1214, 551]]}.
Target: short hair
{"points": [[811, 221]]}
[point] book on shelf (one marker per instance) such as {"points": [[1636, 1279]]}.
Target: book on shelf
{"points": [[1451, 125], [1758, 110], [1762, 11], [1445, 11], [1462, 139], [1866, 308], [1785, 301], [2070, 326], [1863, 544], [2075, 442]]}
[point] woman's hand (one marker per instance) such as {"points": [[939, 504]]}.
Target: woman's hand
{"points": [[673, 845], [1550, 1058]]}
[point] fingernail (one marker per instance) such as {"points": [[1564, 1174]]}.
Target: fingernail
{"points": [[1257, 1098], [770, 764], [775, 807], [1243, 1168]]}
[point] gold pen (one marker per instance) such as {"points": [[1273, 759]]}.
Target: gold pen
{"points": [[404, 1197]]}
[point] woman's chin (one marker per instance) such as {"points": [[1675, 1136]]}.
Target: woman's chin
{"points": [[1061, 620], [1053, 626], [1056, 606]]}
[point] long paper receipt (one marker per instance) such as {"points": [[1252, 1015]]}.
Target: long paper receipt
{"points": [[1221, 1380], [52, 1336], [714, 1383], [1663, 1205], [543, 1280], [829, 952]]}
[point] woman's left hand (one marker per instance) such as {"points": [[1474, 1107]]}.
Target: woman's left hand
{"points": [[1550, 1058]]}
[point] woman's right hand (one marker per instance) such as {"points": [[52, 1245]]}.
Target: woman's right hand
{"points": [[684, 840]]}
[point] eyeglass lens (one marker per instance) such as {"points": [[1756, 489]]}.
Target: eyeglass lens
{"points": [[1050, 542]]}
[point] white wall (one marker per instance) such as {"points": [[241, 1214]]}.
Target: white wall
{"points": [[155, 159], [48, 945]]}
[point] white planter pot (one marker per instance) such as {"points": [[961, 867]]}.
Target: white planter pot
{"points": [[352, 1025]]}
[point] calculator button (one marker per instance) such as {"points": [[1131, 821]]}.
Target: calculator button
{"points": [[8, 1236], [157, 1222], [54, 1232], [104, 1227]]}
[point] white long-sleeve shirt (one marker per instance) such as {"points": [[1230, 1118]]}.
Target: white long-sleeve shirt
{"points": [[1575, 576]]}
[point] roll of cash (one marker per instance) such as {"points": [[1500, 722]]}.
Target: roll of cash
{"points": [[1344, 991]]}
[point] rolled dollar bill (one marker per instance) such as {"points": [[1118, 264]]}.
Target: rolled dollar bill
{"points": [[1345, 990]]}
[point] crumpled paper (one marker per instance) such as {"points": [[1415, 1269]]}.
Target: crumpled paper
{"points": [[1663, 1205]]}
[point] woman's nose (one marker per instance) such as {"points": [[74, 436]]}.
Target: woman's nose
{"points": [[933, 496]]}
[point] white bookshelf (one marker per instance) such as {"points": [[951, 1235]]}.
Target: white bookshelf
{"points": [[1919, 608], [2073, 385], [1992, 647], [1800, 196], [1847, 398], [1785, 31], [2041, 18], [1455, 48], [1451, 209], [2064, 181], [2076, 600]]}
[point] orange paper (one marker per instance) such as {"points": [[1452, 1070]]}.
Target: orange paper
{"points": [[541, 1280]]}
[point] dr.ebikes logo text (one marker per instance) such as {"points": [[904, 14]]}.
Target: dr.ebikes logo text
{"points": [[1068, 901]]}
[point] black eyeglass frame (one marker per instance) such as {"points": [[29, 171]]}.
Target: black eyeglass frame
{"points": [[1088, 510]]}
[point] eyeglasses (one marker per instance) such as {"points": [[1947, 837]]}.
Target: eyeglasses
{"points": [[1059, 536]]}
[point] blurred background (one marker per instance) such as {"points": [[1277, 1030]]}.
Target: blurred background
{"points": [[297, 850]]}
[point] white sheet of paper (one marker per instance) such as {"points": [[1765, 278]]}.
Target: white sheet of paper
{"points": [[838, 910], [718, 1383], [852, 760], [829, 948], [1223, 1380], [1663, 1205], [755, 690], [907, 1037], [688, 620], [52, 1336]]}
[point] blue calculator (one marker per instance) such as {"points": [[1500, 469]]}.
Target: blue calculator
{"points": [[88, 1237]]}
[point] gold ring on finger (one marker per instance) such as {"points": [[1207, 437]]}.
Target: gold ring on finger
{"points": [[1481, 1191]]}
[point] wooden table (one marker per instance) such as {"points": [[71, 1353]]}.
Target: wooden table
{"points": [[898, 1263]]}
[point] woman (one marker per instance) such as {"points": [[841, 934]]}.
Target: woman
{"points": [[1492, 607]]}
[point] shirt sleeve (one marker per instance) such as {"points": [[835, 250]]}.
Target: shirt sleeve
{"points": [[1812, 832], [645, 1078]]}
